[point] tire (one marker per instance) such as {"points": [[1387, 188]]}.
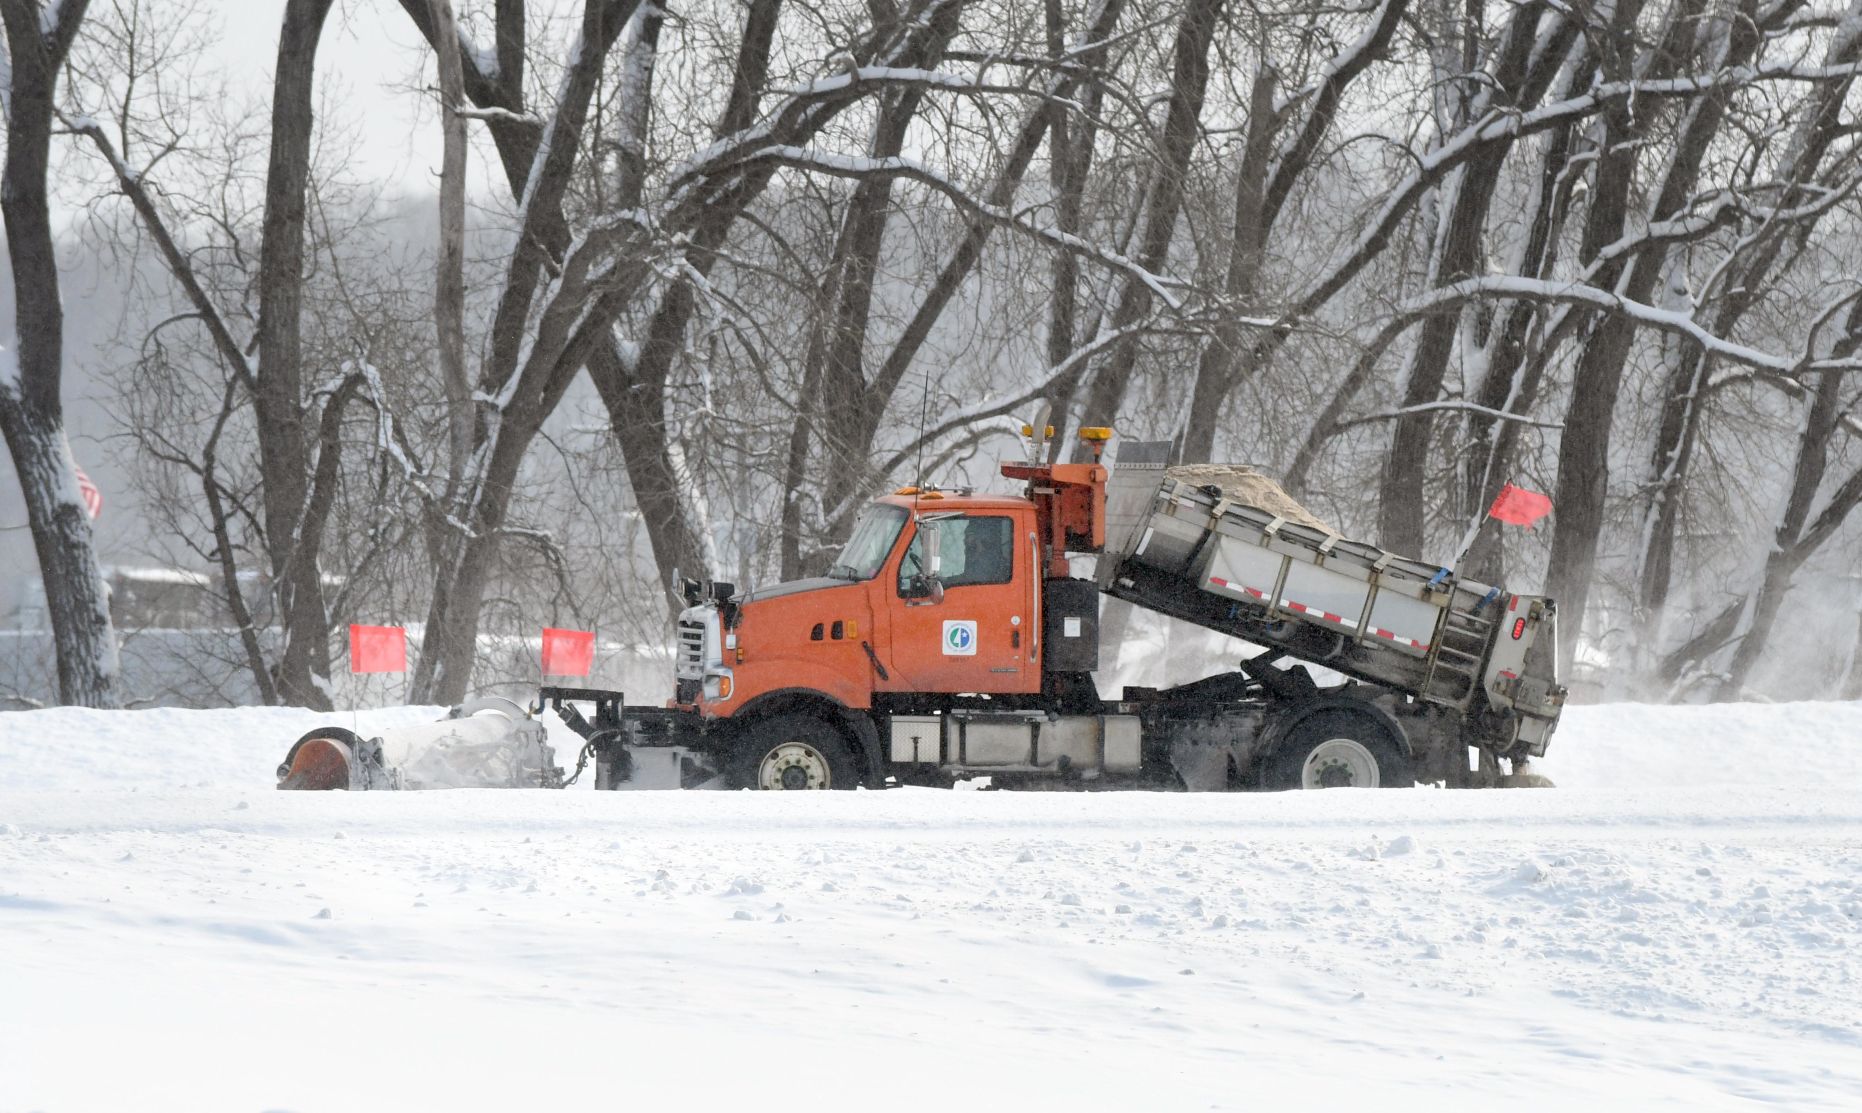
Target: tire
{"points": [[1338, 749], [794, 752]]}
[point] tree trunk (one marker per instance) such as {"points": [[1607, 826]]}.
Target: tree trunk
{"points": [[449, 279], [1215, 366], [1512, 380], [75, 595], [637, 405], [278, 400], [1072, 137], [31, 375], [1852, 685], [637, 416], [1668, 464], [847, 425]]}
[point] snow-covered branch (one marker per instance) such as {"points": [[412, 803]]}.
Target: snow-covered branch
{"points": [[1544, 290], [1451, 406], [852, 166], [494, 114]]}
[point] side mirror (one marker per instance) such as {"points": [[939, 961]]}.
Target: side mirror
{"points": [[932, 531], [924, 589], [925, 586]]}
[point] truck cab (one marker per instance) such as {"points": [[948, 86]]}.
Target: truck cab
{"points": [[933, 592]]}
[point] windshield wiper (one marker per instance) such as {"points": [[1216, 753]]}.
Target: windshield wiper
{"points": [[843, 572]]}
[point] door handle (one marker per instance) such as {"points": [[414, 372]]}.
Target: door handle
{"points": [[1034, 582]]}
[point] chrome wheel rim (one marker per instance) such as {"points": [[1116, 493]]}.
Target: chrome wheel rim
{"points": [[1339, 763], [793, 766]]}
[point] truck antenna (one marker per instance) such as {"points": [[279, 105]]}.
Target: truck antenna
{"points": [[924, 424]]}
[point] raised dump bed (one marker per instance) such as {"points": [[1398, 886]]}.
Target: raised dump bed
{"points": [[1227, 549]]}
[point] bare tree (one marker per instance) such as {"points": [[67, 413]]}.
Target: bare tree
{"points": [[296, 422], [295, 512], [1189, 79], [38, 37], [1813, 458], [1282, 147], [1808, 186], [1523, 65]]}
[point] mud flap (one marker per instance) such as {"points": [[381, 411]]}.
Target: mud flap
{"points": [[1200, 766]]}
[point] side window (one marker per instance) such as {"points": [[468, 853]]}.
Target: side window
{"points": [[970, 551], [986, 552]]}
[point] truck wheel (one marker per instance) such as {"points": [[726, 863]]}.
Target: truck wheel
{"points": [[791, 752], [1338, 750]]}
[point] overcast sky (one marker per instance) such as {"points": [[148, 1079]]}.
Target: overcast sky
{"points": [[368, 56]]}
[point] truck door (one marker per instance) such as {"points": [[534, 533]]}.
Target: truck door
{"points": [[977, 637]]}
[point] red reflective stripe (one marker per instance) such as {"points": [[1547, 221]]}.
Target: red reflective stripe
{"points": [[1395, 637], [1317, 613], [1218, 581], [1301, 608]]}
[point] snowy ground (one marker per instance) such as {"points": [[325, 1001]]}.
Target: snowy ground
{"points": [[1677, 926]]}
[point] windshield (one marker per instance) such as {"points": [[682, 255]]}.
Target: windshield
{"points": [[872, 540]]}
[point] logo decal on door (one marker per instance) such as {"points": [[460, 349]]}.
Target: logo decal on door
{"points": [[960, 638]]}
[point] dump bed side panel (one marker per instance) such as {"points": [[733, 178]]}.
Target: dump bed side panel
{"points": [[1251, 573]]}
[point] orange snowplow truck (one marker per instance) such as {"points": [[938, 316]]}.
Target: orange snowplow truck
{"points": [[952, 639]]}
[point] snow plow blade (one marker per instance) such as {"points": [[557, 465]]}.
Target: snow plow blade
{"points": [[320, 761], [487, 742]]}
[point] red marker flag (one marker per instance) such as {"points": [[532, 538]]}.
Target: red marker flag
{"points": [[567, 652], [1519, 506], [377, 649]]}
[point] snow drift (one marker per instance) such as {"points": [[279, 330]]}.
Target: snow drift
{"points": [[1676, 927]]}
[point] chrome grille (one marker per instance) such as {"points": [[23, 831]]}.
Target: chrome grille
{"points": [[691, 648]]}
